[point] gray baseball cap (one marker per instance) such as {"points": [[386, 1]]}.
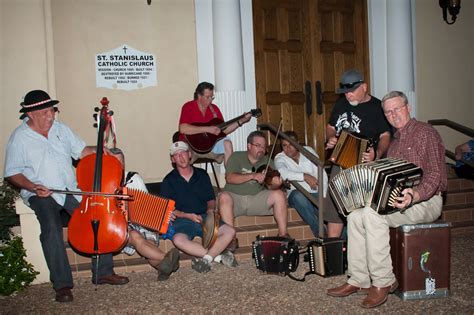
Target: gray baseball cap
{"points": [[350, 80]]}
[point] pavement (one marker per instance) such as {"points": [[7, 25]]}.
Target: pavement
{"points": [[242, 290]]}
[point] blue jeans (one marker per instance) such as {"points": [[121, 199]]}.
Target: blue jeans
{"points": [[48, 213], [307, 211]]}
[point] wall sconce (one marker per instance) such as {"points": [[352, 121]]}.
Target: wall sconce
{"points": [[453, 6]]}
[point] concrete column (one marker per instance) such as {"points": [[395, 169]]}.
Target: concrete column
{"points": [[391, 38], [228, 55], [400, 72], [204, 41], [224, 33]]}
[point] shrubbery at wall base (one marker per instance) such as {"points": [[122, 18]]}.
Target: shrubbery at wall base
{"points": [[15, 272]]}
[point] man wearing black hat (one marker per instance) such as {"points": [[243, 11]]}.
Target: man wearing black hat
{"points": [[359, 113], [38, 158]]}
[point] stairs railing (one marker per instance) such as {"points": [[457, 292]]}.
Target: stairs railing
{"points": [[315, 160], [458, 127]]}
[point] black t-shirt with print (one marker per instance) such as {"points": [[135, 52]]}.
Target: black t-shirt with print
{"points": [[364, 120]]}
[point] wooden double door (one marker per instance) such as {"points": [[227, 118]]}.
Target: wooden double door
{"points": [[299, 43]]}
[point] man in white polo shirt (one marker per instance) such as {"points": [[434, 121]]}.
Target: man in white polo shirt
{"points": [[38, 158]]}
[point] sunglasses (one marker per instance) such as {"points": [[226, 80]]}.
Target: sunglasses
{"points": [[349, 85]]}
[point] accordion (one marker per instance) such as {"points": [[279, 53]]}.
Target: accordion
{"points": [[275, 255], [375, 184], [348, 150], [148, 210], [326, 257]]}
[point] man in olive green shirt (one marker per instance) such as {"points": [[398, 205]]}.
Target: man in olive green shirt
{"points": [[245, 192]]}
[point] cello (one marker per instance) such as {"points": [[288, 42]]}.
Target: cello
{"points": [[99, 225]]}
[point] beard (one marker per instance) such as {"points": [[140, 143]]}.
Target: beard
{"points": [[354, 103]]}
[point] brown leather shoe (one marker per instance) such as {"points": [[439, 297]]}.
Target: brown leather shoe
{"points": [[64, 295], [378, 296], [113, 279], [345, 290]]}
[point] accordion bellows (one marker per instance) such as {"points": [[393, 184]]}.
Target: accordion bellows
{"points": [[348, 150], [375, 184], [150, 211]]}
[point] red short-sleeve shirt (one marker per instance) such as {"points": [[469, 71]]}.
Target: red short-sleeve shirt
{"points": [[190, 113]]}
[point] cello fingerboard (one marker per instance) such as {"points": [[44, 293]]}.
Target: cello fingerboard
{"points": [[150, 211]]}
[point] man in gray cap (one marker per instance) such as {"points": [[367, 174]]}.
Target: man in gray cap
{"points": [[360, 114], [38, 158]]}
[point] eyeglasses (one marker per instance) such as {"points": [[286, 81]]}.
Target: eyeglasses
{"points": [[258, 145], [349, 85], [208, 97], [396, 110]]}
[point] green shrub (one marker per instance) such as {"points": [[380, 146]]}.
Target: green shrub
{"points": [[8, 216], [15, 272]]}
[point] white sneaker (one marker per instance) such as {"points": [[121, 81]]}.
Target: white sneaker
{"points": [[200, 265], [228, 259]]}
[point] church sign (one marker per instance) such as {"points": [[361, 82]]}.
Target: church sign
{"points": [[125, 68]]}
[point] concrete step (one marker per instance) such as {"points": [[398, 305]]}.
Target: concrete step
{"points": [[459, 197], [463, 227], [458, 209], [244, 221], [247, 230], [139, 264], [459, 184], [458, 212], [458, 203]]}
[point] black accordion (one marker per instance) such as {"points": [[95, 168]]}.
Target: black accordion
{"points": [[275, 255], [326, 257], [348, 150], [375, 184]]}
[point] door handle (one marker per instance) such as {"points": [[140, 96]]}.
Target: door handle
{"points": [[309, 98], [319, 98]]}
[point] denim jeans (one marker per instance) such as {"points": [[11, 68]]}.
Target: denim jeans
{"points": [[48, 213], [307, 211]]}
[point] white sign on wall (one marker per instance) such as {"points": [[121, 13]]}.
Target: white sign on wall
{"points": [[125, 68]]}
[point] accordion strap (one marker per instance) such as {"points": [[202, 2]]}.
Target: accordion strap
{"points": [[299, 279], [302, 250]]}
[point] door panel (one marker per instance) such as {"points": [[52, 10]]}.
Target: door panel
{"points": [[300, 40], [281, 64]]}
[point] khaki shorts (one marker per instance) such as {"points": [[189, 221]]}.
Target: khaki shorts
{"points": [[251, 204]]}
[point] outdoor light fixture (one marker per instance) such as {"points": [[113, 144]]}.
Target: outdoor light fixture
{"points": [[453, 6]]}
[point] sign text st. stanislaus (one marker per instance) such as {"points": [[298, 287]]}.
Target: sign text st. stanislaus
{"points": [[125, 68]]}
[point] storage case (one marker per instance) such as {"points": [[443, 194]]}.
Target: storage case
{"points": [[421, 259]]}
